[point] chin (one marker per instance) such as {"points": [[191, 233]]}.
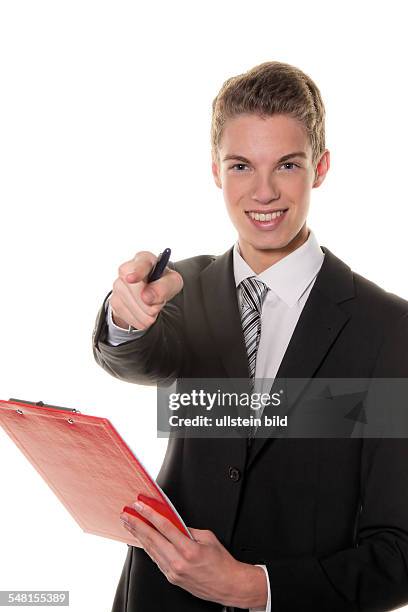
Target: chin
{"points": [[268, 245], [277, 246], [272, 240]]}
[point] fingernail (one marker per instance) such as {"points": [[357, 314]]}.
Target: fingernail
{"points": [[124, 518], [138, 506]]}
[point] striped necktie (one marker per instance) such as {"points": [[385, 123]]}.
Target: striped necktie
{"points": [[253, 292]]}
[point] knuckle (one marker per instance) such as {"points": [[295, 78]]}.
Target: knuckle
{"points": [[171, 577], [177, 568], [189, 554], [123, 269], [144, 256], [208, 532], [211, 535]]}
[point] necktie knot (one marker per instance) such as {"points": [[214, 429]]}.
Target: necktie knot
{"points": [[253, 293]]}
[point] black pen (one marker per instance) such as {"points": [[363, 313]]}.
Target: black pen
{"points": [[159, 266]]}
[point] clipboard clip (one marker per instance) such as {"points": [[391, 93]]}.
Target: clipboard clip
{"points": [[42, 405]]}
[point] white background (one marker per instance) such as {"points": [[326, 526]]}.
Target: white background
{"points": [[104, 151]]}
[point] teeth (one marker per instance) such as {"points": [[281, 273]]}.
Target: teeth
{"points": [[265, 217]]}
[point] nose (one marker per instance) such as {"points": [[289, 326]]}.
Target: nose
{"points": [[265, 190]]}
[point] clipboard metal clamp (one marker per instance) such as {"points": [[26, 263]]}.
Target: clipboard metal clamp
{"points": [[41, 404]]}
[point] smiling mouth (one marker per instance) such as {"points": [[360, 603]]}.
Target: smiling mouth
{"points": [[261, 216]]}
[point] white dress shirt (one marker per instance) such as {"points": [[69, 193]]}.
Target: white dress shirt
{"points": [[290, 281]]}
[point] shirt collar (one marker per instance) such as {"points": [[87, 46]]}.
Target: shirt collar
{"points": [[288, 278]]}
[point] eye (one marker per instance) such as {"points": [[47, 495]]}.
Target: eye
{"points": [[238, 167], [292, 164]]}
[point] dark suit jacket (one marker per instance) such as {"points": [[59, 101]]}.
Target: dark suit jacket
{"points": [[328, 517]]}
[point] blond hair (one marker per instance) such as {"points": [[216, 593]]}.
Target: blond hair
{"points": [[268, 89]]}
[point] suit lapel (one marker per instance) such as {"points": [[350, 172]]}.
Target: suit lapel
{"points": [[224, 317]]}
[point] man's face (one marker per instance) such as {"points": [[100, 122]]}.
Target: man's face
{"points": [[266, 187]]}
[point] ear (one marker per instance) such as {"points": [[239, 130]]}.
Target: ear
{"points": [[322, 169], [216, 174]]}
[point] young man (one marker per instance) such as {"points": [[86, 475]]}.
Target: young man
{"points": [[280, 524]]}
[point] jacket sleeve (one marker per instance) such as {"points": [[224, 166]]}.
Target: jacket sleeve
{"points": [[373, 575], [157, 357]]}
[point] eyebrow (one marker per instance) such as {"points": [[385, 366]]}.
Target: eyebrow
{"points": [[281, 159]]}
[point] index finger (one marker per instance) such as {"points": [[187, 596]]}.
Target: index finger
{"points": [[164, 526]]}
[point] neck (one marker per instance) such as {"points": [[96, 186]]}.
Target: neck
{"points": [[262, 259]]}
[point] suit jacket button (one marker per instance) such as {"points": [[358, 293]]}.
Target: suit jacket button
{"points": [[234, 473]]}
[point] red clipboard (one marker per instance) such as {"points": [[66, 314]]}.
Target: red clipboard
{"points": [[87, 464]]}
